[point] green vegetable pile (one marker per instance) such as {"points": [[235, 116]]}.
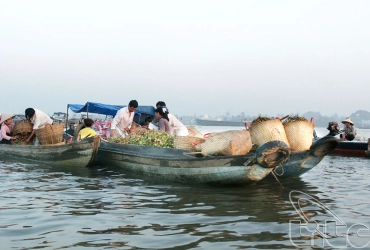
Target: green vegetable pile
{"points": [[295, 119], [21, 138], [154, 138], [260, 119]]}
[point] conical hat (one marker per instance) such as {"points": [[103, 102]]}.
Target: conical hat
{"points": [[5, 117], [348, 119]]}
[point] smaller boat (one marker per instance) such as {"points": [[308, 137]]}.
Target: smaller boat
{"points": [[204, 122], [352, 148], [75, 154], [348, 148], [59, 117]]}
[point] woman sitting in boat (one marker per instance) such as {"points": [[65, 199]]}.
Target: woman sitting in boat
{"points": [[179, 128], [161, 114], [349, 130], [7, 126], [39, 120], [87, 131]]}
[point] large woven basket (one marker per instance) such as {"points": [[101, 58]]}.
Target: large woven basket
{"points": [[22, 127], [194, 132], [186, 142], [50, 134], [233, 142], [270, 130], [299, 134]]}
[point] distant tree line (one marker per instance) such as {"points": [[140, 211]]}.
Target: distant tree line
{"points": [[361, 118]]}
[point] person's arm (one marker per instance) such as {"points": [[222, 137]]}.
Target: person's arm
{"points": [[3, 133], [351, 130], [29, 138], [79, 136]]}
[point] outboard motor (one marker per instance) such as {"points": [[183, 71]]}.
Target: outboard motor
{"points": [[333, 128]]}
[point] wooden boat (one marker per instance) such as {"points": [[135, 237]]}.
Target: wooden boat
{"points": [[203, 122], [187, 167], [348, 148], [301, 162], [352, 148], [75, 154]]}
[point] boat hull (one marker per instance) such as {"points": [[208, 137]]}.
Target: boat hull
{"points": [[77, 154], [300, 162], [201, 122], [351, 148], [181, 165]]}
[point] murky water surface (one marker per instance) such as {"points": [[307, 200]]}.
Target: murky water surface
{"points": [[106, 208]]}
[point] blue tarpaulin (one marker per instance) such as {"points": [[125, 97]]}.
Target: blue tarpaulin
{"points": [[107, 109]]}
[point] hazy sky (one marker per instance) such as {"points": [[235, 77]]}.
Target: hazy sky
{"points": [[200, 57]]}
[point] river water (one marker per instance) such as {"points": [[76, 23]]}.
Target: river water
{"points": [[106, 208]]}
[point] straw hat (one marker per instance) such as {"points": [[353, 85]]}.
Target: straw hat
{"points": [[348, 119], [5, 117]]}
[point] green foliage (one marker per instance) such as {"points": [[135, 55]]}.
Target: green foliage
{"points": [[154, 138]]}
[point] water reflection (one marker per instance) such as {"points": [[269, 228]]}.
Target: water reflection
{"points": [[45, 207]]}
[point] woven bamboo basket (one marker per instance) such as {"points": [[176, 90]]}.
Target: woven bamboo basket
{"points": [[194, 132], [299, 134], [233, 142], [266, 131], [50, 134], [186, 142], [22, 127]]}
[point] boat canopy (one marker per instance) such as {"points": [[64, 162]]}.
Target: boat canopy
{"points": [[107, 109]]}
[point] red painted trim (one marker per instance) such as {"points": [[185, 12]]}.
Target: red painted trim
{"points": [[349, 152]]}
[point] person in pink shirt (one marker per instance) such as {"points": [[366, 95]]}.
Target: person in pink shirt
{"points": [[7, 126]]}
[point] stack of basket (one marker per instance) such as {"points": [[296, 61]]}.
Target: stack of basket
{"points": [[22, 130], [50, 134]]}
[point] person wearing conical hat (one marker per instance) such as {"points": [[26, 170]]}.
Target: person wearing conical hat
{"points": [[349, 130], [7, 126]]}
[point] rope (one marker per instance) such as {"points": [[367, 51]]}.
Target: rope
{"points": [[276, 178], [95, 147], [281, 166], [251, 160]]}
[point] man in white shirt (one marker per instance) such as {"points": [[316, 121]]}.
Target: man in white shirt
{"points": [[39, 119], [179, 128], [122, 121]]}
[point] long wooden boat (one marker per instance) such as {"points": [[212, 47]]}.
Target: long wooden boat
{"points": [[301, 162], [352, 148], [202, 122], [186, 167], [75, 154]]}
